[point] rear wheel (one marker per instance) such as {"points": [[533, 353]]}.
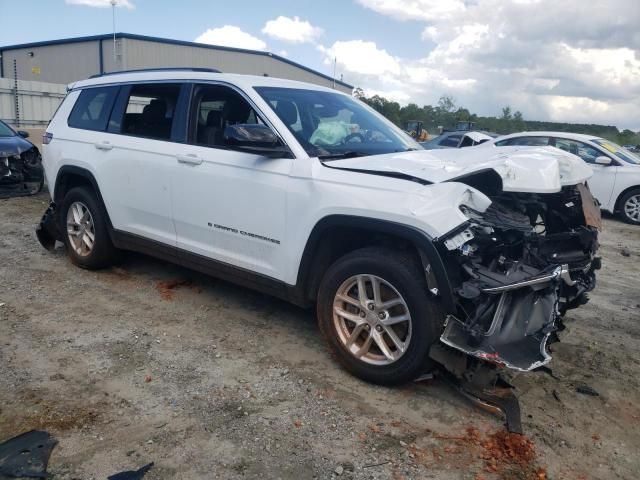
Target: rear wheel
{"points": [[85, 230], [630, 207], [376, 314]]}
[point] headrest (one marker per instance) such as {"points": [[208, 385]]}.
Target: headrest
{"points": [[155, 111], [214, 118], [236, 110], [286, 110]]}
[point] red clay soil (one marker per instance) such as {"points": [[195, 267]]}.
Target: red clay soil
{"points": [[167, 287], [505, 455]]}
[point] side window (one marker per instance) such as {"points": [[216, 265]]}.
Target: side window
{"points": [[584, 151], [150, 110], [451, 141], [92, 108], [529, 141], [213, 108]]}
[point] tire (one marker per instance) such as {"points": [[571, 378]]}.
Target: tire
{"points": [[630, 207], [102, 253], [401, 278]]}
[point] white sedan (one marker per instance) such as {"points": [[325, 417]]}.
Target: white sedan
{"points": [[616, 170]]}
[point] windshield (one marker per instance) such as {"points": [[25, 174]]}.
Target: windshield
{"points": [[331, 124], [618, 151], [5, 130]]}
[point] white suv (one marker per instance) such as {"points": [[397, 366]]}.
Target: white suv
{"points": [[616, 170], [467, 258]]}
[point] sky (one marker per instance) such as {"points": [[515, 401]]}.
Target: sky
{"points": [[558, 60]]}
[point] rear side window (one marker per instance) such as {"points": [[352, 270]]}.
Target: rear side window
{"points": [[92, 108], [150, 110]]}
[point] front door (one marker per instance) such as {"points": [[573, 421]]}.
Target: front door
{"points": [[604, 176], [229, 205]]}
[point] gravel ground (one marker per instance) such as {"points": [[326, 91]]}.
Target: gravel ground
{"points": [[151, 362]]}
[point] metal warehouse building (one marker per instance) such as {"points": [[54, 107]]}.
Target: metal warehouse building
{"points": [[72, 59]]}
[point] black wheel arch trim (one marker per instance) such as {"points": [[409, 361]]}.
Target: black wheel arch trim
{"points": [[86, 174], [81, 172], [421, 240]]}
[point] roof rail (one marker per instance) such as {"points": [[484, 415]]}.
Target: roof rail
{"points": [[160, 69]]}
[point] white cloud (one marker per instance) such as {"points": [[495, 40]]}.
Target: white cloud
{"points": [[394, 95], [549, 59], [292, 30], [360, 57], [231, 36], [416, 9], [101, 3]]}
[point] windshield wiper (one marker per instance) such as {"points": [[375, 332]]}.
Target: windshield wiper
{"points": [[336, 156]]}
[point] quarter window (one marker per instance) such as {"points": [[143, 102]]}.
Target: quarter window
{"points": [[92, 108]]}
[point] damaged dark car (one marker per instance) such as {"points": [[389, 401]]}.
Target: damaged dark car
{"points": [[21, 170]]}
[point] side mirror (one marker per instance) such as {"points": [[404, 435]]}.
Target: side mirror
{"points": [[23, 134], [254, 138], [603, 160]]}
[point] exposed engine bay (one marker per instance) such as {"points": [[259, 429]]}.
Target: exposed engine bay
{"points": [[21, 172], [522, 264], [515, 268]]}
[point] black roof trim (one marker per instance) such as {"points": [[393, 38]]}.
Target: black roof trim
{"points": [[160, 69], [168, 41]]}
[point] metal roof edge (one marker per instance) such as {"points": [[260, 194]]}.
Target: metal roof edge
{"points": [[169, 41]]}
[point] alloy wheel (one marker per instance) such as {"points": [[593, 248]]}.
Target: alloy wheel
{"points": [[80, 229], [372, 319], [632, 208]]}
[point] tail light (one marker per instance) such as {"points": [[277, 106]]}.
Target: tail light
{"points": [[46, 138]]}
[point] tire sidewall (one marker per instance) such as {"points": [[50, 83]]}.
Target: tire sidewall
{"points": [[102, 248], [623, 201], [425, 317]]}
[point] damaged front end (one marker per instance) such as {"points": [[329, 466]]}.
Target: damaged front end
{"points": [[21, 172], [516, 268]]}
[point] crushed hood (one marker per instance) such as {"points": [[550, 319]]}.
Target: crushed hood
{"points": [[528, 169]]}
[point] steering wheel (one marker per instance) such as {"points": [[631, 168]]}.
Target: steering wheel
{"points": [[352, 136]]}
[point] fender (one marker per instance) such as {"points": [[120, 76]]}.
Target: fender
{"points": [[48, 230], [86, 174], [431, 258]]}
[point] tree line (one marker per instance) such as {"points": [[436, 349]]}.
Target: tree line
{"points": [[447, 113]]}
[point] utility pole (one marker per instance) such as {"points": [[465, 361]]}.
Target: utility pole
{"points": [[16, 98], [113, 21], [335, 61]]}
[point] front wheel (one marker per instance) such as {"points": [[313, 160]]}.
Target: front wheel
{"points": [[85, 232], [630, 207], [375, 311]]}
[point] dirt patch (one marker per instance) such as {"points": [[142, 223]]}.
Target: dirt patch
{"points": [[40, 413], [234, 384], [167, 288]]}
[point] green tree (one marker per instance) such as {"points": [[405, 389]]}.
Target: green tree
{"points": [[447, 103]]}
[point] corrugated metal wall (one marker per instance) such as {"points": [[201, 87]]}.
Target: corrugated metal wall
{"points": [[145, 54], [70, 62], [63, 63], [37, 102]]}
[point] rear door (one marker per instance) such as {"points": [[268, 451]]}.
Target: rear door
{"points": [[139, 156], [229, 205]]}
